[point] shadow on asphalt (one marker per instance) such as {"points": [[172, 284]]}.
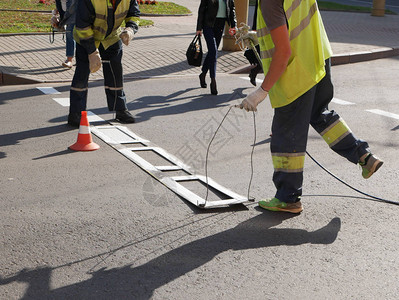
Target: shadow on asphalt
{"points": [[140, 281], [162, 105], [15, 138]]}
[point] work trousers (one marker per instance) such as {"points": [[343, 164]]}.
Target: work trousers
{"points": [[290, 134], [213, 36], [113, 78]]}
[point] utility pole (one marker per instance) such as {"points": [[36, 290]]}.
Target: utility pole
{"points": [[378, 8]]}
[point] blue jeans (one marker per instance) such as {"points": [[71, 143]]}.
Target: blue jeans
{"points": [[213, 36], [70, 42]]}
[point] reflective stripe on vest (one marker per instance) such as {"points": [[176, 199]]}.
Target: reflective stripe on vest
{"points": [[309, 50], [336, 132], [288, 162], [100, 26]]}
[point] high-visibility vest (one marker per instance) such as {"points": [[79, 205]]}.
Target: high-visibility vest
{"points": [[309, 50], [99, 28]]}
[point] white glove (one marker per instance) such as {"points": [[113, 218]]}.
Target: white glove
{"points": [[94, 61], [127, 35], [253, 99], [248, 37]]}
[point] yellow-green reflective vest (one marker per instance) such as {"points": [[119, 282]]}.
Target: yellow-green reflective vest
{"points": [[100, 26], [309, 47]]}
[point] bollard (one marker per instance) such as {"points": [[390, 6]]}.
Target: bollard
{"points": [[378, 8]]}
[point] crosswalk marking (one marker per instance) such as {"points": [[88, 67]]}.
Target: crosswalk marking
{"points": [[341, 102], [92, 117], [383, 113], [48, 90], [62, 101], [247, 78]]}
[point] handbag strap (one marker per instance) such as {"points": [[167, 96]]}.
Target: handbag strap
{"points": [[194, 39]]}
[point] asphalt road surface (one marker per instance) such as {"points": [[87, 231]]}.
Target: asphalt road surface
{"points": [[93, 225]]}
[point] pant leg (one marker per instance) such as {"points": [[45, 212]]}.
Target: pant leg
{"points": [[331, 126], [288, 146], [213, 36], [79, 86], [70, 42], [113, 76]]}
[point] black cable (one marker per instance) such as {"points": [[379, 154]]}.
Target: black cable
{"points": [[252, 168], [207, 154], [252, 162], [348, 185]]}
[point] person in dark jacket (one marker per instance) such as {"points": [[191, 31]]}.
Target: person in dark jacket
{"points": [[212, 16], [99, 36], [66, 10]]}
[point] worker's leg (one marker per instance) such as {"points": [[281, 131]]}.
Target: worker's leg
{"points": [[113, 76], [288, 146], [79, 87], [331, 126]]}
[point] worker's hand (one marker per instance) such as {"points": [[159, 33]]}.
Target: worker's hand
{"points": [[199, 32], [94, 61], [232, 30], [127, 35], [253, 99]]}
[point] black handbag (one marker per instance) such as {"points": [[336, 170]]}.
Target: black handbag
{"points": [[194, 52]]}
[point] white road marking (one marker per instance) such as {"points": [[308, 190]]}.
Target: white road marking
{"points": [[383, 113], [48, 90], [342, 102], [92, 117], [247, 78], [62, 101]]}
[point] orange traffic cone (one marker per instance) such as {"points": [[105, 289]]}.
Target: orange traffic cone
{"points": [[84, 142]]}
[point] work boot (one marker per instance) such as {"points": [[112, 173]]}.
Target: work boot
{"points": [[124, 116], [370, 165], [277, 205], [74, 119]]}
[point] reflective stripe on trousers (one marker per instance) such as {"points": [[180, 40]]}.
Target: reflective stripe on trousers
{"points": [[113, 78], [290, 134]]}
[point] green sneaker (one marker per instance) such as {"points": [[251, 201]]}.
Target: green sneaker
{"points": [[370, 165], [277, 205]]}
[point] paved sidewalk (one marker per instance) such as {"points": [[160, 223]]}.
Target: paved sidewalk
{"points": [[160, 50]]}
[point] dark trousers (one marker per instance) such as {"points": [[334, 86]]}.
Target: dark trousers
{"points": [[113, 78], [290, 134], [213, 36]]}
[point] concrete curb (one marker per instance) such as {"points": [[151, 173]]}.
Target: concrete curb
{"points": [[10, 79], [339, 59], [355, 57], [345, 58]]}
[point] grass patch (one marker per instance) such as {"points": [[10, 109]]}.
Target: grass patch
{"points": [[325, 5], [16, 22], [27, 22], [27, 4], [164, 8]]}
